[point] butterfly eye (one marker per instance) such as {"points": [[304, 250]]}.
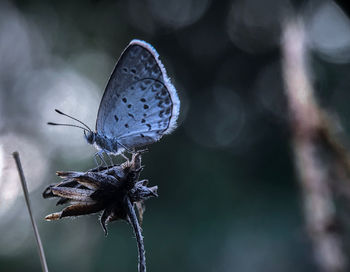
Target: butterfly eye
{"points": [[90, 137]]}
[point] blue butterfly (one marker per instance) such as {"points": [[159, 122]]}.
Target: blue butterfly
{"points": [[139, 104]]}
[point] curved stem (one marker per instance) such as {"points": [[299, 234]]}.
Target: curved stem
{"points": [[139, 238]]}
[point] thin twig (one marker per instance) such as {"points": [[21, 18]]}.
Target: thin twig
{"points": [[139, 238], [26, 196], [316, 156]]}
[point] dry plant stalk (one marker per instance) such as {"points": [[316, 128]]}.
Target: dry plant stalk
{"points": [[320, 159], [43, 262]]}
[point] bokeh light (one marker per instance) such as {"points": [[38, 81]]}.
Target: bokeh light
{"points": [[269, 91], [64, 90], [34, 164], [220, 124], [329, 30], [178, 13], [254, 26]]}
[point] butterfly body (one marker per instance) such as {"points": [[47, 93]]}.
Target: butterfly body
{"points": [[109, 145]]}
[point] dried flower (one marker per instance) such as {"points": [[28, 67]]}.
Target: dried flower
{"points": [[102, 189]]}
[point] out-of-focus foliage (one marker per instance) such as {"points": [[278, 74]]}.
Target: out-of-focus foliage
{"points": [[228, 196]]}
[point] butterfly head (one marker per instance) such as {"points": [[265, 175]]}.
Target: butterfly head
{"points": [[90, 136]]}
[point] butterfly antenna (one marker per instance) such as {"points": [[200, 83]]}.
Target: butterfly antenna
{"points": [[68, 125], [71, 117]]}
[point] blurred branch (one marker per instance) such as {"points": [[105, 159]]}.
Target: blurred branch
{"points": [[320, 158], [26, 196]]}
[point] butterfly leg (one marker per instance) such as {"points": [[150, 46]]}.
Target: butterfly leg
{"points": [[125, 157], [100, 155], [110, 158], [95, 159], [127, 149]]}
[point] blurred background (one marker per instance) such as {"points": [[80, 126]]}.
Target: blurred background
{"points": [[229, 199]]}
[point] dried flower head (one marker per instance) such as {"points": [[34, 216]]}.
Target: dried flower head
{"points": [[102, 189]]}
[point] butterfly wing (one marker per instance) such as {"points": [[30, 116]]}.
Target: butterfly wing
{"points": [[139, 104]]}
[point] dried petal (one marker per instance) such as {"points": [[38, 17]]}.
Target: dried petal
{"points": [[47, 192], [80, 209], [68, 174], [88, 183], [53, 216], [141, 208], [154, 190], [73, 193]]}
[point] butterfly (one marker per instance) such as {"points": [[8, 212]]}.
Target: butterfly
{"points": [[139, 104]]}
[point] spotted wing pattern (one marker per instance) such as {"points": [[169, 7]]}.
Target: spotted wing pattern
{"points": [[140, 104]]}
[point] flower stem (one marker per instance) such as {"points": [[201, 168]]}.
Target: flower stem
{"points": [[139, 238]]}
